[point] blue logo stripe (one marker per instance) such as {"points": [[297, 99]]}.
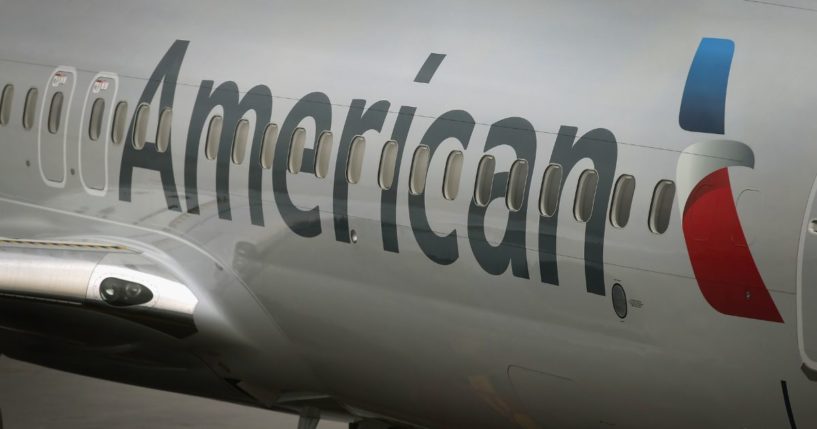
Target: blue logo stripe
{"points": [[703, 105]]}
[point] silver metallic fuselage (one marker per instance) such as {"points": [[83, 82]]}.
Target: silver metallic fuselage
{"points": [[285, 320]]}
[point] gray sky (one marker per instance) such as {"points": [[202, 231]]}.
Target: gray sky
{"points": [[32, 397]]}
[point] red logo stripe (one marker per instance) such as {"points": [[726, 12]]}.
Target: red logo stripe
{"points": [[720, 256]]}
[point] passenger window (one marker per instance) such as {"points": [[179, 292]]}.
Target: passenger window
{"points": [[388, 163], [95, 122], [240, 137], [296, 150], [661, 207], [485, 180], [55, 113], [140, 126], [517, 184], [163, 132], [213, 137], [354, 164], [268, 144], [323, 154], [451, 179], [585, 195], [120, 117], [5, 104], [419, 170], [30, 108], [622, 201], [551, 190]]}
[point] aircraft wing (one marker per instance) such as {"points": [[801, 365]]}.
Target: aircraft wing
{"points": [[103, 310], [105, 279]]}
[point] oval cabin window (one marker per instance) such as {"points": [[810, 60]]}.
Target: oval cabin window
{"points": [[622, 201], [585, 195], [419, 170], [485, 181], [661, 207], [517, 184], [551, 190], [451, 178], [388, 164], [30, 108]]}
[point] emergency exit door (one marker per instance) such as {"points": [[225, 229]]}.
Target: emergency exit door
{"points": [[53, 128], [95, 132], [807, 285]]}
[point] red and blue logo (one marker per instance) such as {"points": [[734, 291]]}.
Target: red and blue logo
{"points": [[718, 251]]}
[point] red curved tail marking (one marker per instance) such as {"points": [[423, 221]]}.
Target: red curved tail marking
{"points": [[720, 256]]}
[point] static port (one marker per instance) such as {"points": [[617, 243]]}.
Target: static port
{"points": [[123, 293]]}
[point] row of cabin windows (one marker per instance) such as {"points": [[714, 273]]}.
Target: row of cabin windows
{"points": [[295, 155], [55, 112], [6, 98], [516, 185], [660, 206], [29, 108], [621, 202]]}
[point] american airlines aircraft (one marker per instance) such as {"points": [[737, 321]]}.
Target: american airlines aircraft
{"points": [[461, 214]]}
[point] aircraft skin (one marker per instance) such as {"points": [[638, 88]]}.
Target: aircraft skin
{"points": [[317, 296]]}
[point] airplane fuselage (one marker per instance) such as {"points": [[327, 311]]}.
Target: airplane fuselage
{"points": [[319, 286]]}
